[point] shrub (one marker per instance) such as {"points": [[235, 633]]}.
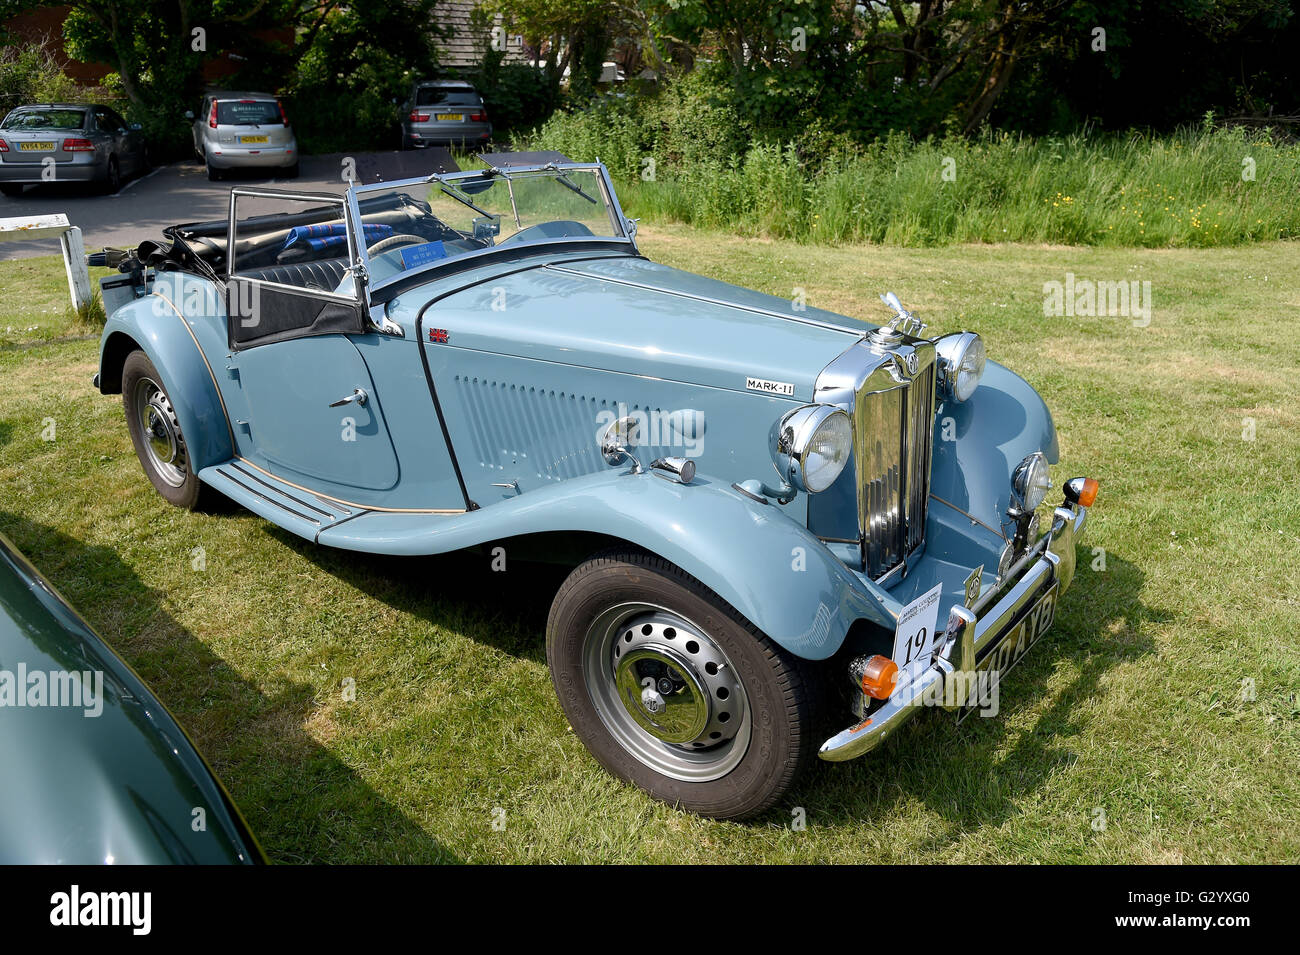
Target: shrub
{"points": [[517, 95], [29, 74], [1189, 188]]}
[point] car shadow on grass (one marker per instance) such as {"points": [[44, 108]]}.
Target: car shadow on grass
{"points": [[286, 784], [460, 591], [967, 773], [963, 772]]}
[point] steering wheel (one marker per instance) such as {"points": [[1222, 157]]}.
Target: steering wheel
{"points": [[394, 242]]}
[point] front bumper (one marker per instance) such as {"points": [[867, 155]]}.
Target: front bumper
{"points": [[971, 633]]}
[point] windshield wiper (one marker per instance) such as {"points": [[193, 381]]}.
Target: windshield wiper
{"points": [[563, 179], [459, 198]]}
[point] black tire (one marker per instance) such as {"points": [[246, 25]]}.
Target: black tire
{"points": [[112, 177], [292, 171], [175, 480], [774, 686], [214, 174], [12, 189]]}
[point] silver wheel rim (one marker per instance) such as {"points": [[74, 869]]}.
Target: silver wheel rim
{"points": [[161, 433], [666, 692]]}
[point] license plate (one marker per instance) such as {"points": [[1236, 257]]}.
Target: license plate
{"points": [[35, 147], [1011, 649], [450, 117], [254, 139]]}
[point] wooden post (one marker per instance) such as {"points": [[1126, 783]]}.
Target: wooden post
{"points": [[74, 263], [69, 236]]}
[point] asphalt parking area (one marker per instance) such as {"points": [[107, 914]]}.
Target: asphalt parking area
{"points": [[181, 192]]}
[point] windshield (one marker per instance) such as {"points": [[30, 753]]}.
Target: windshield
{"points": [[440, 220], [248, 112], [441, 95], [46, 119]]}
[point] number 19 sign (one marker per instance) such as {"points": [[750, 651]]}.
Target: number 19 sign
{"points": [[915, 638]]}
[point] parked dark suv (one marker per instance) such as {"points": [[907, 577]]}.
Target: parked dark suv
{"points": [[444, 113]]}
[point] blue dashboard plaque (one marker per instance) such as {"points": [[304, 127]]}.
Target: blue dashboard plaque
{"points": [[414, 256]]}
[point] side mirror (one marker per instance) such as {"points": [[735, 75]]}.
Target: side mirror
{"points": [[617, 441], [487, 228], [189, 114]]}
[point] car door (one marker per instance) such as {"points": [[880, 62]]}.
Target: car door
{"points": [[197, 126], [295, 318], [132, 139], [115, 133]]}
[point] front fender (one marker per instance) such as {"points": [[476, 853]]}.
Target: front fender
{"points": [[153, 324], [979, 442], [767, 566]]}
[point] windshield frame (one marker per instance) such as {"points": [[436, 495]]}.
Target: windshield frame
{"points": [[624, 227]]}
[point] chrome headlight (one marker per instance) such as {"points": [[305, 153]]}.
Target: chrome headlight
{"points": [[811, 445], [1030, 482], [961, 363]]}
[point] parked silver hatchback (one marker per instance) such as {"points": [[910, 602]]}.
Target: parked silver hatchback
{"points": [[444, 113], [243, 131]]}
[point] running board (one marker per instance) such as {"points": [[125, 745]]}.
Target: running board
{"points": [[294, 509]]}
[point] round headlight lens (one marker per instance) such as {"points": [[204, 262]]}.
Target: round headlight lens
{"points": [[962, 358], [1031, 480], [811, 445], [828, 452]]}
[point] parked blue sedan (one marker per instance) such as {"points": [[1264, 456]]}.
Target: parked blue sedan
{"points": [[758, 493]]}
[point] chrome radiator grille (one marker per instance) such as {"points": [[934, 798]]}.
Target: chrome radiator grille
{"points": [[893, 447]]}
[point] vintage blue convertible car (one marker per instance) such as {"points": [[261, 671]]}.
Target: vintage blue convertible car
{"points": [[754, 494]]}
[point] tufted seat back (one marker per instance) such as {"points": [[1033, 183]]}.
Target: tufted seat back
{"points": [[324, 275]]}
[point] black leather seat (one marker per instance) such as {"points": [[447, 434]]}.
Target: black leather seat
{"points": [[324, 274]]}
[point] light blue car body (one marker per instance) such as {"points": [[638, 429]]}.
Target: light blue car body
{"points": [[584, 329]]}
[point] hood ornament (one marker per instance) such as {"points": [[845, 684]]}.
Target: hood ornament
{"points": [[903, 322]]}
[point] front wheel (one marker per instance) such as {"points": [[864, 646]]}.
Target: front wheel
{"points": [[673, 691], [156, 433]]}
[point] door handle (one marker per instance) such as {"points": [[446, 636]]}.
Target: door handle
{"points": [[358, 395]]}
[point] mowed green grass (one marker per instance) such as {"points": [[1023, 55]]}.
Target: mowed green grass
{"points": [[1137, 705], [35, 304]]}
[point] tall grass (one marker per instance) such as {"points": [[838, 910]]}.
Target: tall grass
{"points": [[1195, 188]]}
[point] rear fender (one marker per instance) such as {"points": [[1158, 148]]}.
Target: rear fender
{"points": [[154, 325]]}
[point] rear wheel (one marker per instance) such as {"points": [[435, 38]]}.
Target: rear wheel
{"points": [[112, 176], [292, 171], [12, 189], [214, 174], [672, 690], [156, 433]]}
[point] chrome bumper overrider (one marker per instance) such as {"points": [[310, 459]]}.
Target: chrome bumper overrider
{"points": [[970, 632]]}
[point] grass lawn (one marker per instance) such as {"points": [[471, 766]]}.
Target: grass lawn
{"points": [[35, 305], [1138, 705]]}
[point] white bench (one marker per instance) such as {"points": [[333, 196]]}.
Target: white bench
{"points": [[57, 226]]}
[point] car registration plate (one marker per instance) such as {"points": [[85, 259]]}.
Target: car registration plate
{"points": [[450, 117], [35, 147], [253, 139], [1011, 649]]}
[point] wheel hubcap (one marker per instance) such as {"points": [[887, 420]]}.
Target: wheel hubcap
{"points": [[161, 433], [667, 692]]}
